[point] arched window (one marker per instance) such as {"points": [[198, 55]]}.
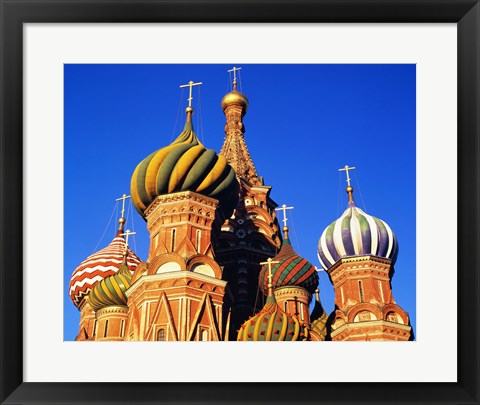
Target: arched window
{"points": [[174, 235], [360, 288], [161, 335], [199, 240], [122, 328], [106, 329], [381, 290], [285, 306]]}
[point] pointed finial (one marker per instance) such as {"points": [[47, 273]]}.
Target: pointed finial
{"points": [[269, 262], [349, 187], [234, 70], [284, 208], [189, 109], [122, 219], [127, 234]]}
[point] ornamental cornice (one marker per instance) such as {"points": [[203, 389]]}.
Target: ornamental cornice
{"points": [[291, 291], [341, 277], [364, 258], [154, 225], [356, 266], [359, 327], [184, 275], [114, 309], [181, 196]]}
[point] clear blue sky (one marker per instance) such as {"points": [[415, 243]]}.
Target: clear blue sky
{"points": [[304, 122]]}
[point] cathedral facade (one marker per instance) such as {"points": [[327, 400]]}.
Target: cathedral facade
{"points": [[220, 267]]}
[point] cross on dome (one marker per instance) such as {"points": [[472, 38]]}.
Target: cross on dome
{"points": [[190, 84], [284, 208], [234, 70], [269, 262], [127, 233], [122, 220], [123, 198], [349, 187], [346, 169]]}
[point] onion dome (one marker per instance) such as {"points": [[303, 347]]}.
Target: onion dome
{"points": [[104, 263], [318, 318], [273, 324], [291, 269], [235, 98], [356, 233], [111, 290], [184, 165]]}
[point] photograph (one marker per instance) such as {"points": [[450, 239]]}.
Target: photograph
{"points": [[243, 183], [239, 202]]}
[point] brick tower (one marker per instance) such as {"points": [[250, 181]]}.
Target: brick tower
{"points": [[365, 308], [359, 251], [184, 192], [251, 234], [179, 294]]}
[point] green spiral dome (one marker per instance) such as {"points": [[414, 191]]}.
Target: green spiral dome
{"points": [[273, 324], [184, 165], [111, 290]]}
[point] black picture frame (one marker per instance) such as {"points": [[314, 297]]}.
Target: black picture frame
{"points": [[465, 13]]}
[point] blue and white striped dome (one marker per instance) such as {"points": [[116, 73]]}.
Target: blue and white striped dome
{"points": [[356, 233]]}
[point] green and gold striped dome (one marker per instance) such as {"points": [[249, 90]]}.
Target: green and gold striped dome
{"points": [[319, 318], [185, 165], [111, 290], [272, 324]]}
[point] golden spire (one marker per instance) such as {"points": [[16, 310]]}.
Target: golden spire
{"points": [[189, 109], [269, 262], [234, 70], [122, 219], [284, 208], [349, 187]]}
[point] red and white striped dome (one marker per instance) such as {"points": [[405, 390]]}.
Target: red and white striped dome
{"points": [[104, 263]]}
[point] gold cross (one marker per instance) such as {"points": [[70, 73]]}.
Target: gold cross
{"points": [[190, 84], [284, 208], [234, 70], [123, 198], [346, 169], [269, 262], [127, 234]]}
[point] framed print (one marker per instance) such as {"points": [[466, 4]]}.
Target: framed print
{"points": [[77, 85]]}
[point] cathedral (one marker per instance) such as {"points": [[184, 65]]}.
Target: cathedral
{"points": [[221, 266]]}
